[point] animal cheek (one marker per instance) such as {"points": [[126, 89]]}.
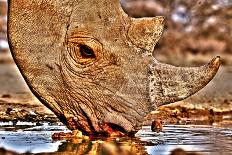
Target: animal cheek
{"points": [[114, 60], [113, 78]]}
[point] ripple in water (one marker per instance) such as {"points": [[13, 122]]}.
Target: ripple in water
{"points": [[195, 138]]}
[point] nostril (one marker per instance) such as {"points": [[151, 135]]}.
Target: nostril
{"points": [[114, 129]]}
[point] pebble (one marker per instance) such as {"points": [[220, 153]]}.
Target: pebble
{"points": [[157, 125]]}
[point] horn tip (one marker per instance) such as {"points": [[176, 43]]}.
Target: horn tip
{"points": [[218, 58], [216, 61], [160, 19], [214, 65]]}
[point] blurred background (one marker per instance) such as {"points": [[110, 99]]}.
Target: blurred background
{"points": [[195, 32]]}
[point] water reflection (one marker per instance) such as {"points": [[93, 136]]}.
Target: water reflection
{"points": [[124, 146], [192, 138]]}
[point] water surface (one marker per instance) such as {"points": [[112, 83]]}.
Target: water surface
{"points": [[207, 139]]}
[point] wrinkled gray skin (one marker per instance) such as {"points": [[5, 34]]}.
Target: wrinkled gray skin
{"points": [[92, 65]]}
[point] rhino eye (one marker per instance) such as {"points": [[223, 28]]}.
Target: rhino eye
{"points": [[86, 52]]}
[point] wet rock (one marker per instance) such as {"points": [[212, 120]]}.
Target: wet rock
{"points": [[183, 152], [6, 96], [8, 110], [39, 124], [75, 134], [226, 101], [6, 152], [14, 122], [157, 125]]}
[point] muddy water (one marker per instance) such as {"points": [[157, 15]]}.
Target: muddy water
{"points": [[26, 137]]}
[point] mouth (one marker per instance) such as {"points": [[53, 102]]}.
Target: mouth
{"points": [[114, 130], [105, 129]]}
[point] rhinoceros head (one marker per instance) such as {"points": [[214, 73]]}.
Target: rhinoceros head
{"points": [[92, 65]]}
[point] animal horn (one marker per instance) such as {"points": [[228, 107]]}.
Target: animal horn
{"points": [[169, 84], [144, 33]]}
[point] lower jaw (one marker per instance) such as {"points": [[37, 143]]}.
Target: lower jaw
{"points": [[113, 130], [103, 130], [109, 130]]}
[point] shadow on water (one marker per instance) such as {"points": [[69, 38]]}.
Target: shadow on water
{"points": [[205, 139]]}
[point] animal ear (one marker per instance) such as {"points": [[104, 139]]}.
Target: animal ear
{"points": [[144, 33], [169, 84]]}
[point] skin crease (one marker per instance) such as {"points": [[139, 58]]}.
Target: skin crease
{"points": [[92, 65]]}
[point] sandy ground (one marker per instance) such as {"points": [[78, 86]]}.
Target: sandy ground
{"points": [[15, 94]]}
